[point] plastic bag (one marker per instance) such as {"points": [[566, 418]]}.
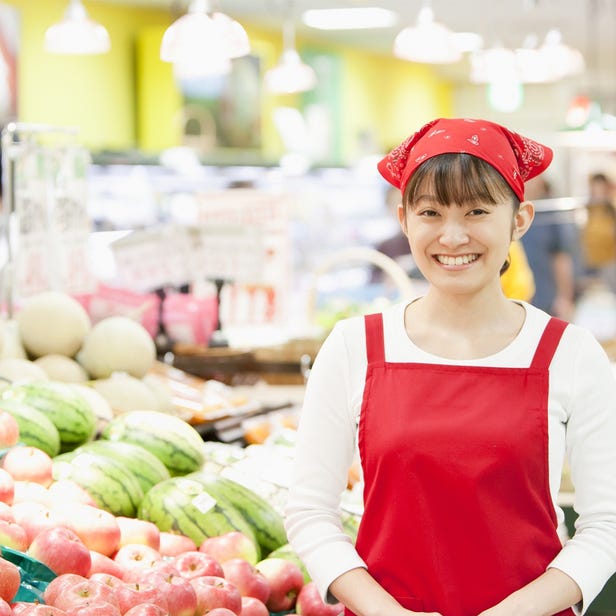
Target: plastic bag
{"points": [[35, 576]]}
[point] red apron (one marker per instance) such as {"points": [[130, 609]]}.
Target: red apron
{"points": [[458, 512]]}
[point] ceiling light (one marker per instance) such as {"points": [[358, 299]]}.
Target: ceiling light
{"points": [[290, 75], [350, 18], [77, 33], [427, 42], [203, 43]]}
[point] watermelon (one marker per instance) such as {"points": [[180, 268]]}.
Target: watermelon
{"points": [[146, 467], [265, 521], [110, 484], [68, 411], [35, 428], [174, 442], [183, 505]]}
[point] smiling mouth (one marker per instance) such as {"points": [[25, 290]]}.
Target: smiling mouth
{"points": [[458, 260]]}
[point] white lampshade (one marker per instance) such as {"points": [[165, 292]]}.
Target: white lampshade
{"points": [[428, 42], [203, 43], [290, 75], [77, 33]]}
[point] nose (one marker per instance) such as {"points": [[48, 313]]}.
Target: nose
{"points": [[453, 233]]}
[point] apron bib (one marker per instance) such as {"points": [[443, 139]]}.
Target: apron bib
{"points": [[458, 512]]}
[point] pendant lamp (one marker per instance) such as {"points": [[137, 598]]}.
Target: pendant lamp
{"points": [[290, 75], [77, 34], [203, 42], [428, 41]]}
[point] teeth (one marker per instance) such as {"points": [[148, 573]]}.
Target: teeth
{"points": [[460, 260]]}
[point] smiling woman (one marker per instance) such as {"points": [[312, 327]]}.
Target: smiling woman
{"points": [[462, 405]]}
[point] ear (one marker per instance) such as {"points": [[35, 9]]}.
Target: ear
{"points": [[522, 219], [402, 217]]}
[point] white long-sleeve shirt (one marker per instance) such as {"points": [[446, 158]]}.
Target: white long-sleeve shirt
{"points": [[581, 427]]}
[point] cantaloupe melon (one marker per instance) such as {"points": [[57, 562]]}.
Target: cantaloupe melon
{"points": [[126, 393], [11, 341], [14, 369], [62, 368], [52, 322], [117, 344]]}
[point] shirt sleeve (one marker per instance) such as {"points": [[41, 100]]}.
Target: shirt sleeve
{"points": [[589, 557], [325, 449]]}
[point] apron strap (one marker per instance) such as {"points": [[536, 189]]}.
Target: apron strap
{"points": [[549, 342], [375, 343]]}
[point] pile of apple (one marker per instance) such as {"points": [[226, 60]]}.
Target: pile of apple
{"points": [[110, 565]]}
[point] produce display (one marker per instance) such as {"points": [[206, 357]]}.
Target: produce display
{"points": [[108, 511]]}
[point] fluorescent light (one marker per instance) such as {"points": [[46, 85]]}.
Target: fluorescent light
{"points": [[77, 33], [350, 18]]}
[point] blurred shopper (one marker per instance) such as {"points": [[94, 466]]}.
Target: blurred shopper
{"points": [[599, 232], [552, 247], [463, 405]]}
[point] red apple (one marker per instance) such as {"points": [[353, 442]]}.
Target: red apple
{"points": [[212, 592], [105, 565], [107, 578], [309, 603], [196, 564], [9, 430], [97, 528], [28, 464], [136, 555], [59, 584], [253, 607], [36, 609], [248, 580], [129, 595], [62, 551], [10, 579], [26, 491], [7, 487], [157, 573], [14, 536], [285, 579], [64, 491], [146, 609], [5, 608], [134, 530], [85, 593], [172, 544], [179, 592], [6, 512], [100, 608], [34, 518], [234, 544], [222, 611]]}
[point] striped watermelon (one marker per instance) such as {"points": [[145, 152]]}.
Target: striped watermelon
{"points": [[110, 484], [68, 411], [174, 442], [183, 505], [35, 428], [265, 521], [146, 467]]}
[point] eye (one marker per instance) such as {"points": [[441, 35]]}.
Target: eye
{"points": [[428, 213], [477, 211]]}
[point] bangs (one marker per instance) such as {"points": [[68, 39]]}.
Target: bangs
{"points": [[461, 179]]}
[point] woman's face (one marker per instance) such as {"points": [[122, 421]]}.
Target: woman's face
{"points": [[461, 248]]}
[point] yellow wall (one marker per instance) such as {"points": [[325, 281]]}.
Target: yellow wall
{"points": [[127, 98]]}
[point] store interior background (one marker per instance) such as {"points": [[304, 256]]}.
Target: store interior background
{"points": [[316, 149]]}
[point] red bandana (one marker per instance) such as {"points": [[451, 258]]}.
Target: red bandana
{"points": [[515, 157]]}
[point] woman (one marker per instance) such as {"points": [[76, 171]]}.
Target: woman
{"points": [[462, 405]]}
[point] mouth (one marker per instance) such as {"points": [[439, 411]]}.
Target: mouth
{"points": [[458, 260]]}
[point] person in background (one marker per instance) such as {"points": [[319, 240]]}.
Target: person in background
{"points": [[552, 249], [462, 405], [599, 233]]}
